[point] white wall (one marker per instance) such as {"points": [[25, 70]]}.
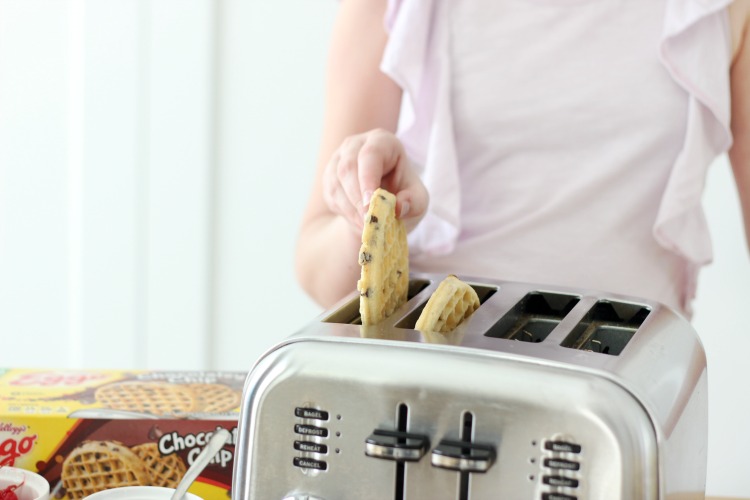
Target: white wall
{"points": [[106, 167], [155, 157], [721, 320], [272, 57]]}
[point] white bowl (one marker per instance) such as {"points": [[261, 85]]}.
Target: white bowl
{"points": [[34, 487], [138, 493]]}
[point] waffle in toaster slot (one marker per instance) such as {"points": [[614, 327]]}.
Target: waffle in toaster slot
{"points": [[410, 320], [348, 314]]}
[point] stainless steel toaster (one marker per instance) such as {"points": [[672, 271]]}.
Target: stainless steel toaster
{"points": [[544, 393]]}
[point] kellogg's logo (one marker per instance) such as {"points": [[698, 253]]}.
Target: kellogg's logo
{"points": [[52, 379], [15, 446]]}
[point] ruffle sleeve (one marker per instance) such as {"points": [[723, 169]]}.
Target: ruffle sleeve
{"points": [[416, 58], [696, 50]]}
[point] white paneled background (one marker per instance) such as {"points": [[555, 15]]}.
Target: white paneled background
{"points": [[155, 157]]}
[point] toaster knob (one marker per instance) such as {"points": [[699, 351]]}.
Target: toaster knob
{"points": [[395, 445], [463, 456]]}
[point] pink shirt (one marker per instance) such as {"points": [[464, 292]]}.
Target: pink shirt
{"points": [[564, 141]]}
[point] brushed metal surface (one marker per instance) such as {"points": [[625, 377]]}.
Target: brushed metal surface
{"points": [[639, 417]]}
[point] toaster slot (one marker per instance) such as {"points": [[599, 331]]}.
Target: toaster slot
{"points": [[348, 314], [410, 320], [607, 327], [534, 316]]}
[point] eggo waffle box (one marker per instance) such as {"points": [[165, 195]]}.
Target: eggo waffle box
{"points": [[86, 431]]}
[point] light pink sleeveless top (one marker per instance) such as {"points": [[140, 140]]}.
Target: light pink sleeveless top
{"points": [[564, 141]]}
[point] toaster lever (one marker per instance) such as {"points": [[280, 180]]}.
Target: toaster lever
{"points": [[463, 456], [395, 445]]}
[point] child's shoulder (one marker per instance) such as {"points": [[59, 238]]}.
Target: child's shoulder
{"points": [[739, 20]]}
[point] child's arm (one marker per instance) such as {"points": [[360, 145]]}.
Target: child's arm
{"points": [[739, 154], [359, 98]]}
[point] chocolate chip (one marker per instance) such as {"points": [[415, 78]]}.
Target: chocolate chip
{"points": [[365, 258], [366, 293], [373, 219], [381, 197], [155, 433]]}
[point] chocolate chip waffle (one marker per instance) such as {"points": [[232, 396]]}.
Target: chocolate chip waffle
{"points": [[164, 470], [215, 398], [100, 465], [384, 259], [156, 398], [451, 303]]}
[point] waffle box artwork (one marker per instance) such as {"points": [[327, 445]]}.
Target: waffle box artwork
{"points": [[87, 431]]}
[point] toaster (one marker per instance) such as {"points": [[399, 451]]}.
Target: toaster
{"points": [[543, 393]]}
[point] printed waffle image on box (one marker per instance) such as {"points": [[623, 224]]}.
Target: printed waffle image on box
{"points": [[87, 431]]}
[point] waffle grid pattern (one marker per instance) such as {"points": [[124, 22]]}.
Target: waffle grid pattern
{"points": [[166, 471], [157, 398], [101, 465], [449, 305]]}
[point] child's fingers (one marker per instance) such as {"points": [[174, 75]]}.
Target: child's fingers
{"points": [[335, 196], [347, 170], [412, 201], [378, 156]]}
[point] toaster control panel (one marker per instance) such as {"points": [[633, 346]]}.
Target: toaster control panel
{"points": [[560, 458], [311, 434], [458, 457], [561, 469]]}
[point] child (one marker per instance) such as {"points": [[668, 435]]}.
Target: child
{"points": [[550, 141]]}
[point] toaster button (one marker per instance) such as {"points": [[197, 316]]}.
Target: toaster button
{"points": [[463, 456], [394, 445], [562, 447], [309, 463], [312, 413], [558, 496], [565, 482], [310, 430], [559, 463], [310, 447]]}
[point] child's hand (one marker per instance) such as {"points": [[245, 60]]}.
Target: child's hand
{"points": [[364, 163]]}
